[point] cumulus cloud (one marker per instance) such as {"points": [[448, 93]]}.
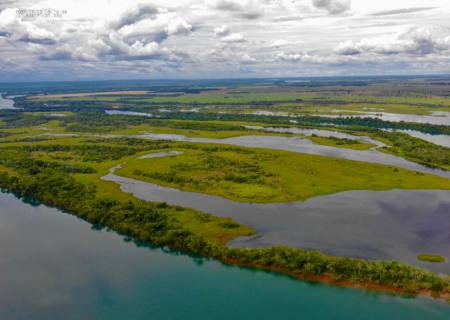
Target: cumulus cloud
{"points": [[246, 9], [221, 31], [225, 35], [15, 29], [307, 58], [135, 14], [178, 26], [247, 59], [279, 43], [418, 41], [150, 50], [148, 24], [233, 37], [137, 34], [332, 6], [219, 37], [291, 57]]}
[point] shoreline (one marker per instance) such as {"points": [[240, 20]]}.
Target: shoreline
{"points": [[329, 280], [224, 254]]}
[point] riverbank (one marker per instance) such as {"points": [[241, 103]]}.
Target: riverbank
{"points": [[144, 221], [330, 280], [154, 280], [66, 174], [266, 175]]}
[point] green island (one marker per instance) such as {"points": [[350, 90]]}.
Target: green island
{"points": [[262, 175], [431, 258], [341, 142]]}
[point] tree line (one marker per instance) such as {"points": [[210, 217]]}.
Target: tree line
{"points": [[156, 223]]}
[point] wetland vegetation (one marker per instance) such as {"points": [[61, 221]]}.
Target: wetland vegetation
{"points": [[341, 142], [261, 175], [431, 258], [60, 161]]}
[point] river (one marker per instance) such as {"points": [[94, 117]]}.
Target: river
{"points": [[55, 265], [301, 145], [396, 224], [436, 117]]}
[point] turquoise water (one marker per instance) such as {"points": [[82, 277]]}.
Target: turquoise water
{"points": [[56, 266]]}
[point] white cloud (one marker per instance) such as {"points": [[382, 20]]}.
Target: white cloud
{"points": [[233, 37], [135, 14], [332, 6], [178, 26], [221, 31], [417, 41], [149, 50], [247, 59], [308, 58], [15, 29], [223, 37], [279, 43], [246, 9]]}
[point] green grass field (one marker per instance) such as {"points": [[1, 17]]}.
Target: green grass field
{"points": [[261, 175], [341, 143], [431, 258], [295, 102], [215, 229]]}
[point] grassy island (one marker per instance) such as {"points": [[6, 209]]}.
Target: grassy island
{"points": [[341, 143], [262, 175], [431, 258]]}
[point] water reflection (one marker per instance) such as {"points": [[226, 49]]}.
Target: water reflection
{"points": [[437, 117], [318, 132], [55, 266], [301, 145], [128, 113], [397, 224], [439, 139]]}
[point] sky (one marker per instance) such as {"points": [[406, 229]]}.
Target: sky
{"points": [[170, 39]]}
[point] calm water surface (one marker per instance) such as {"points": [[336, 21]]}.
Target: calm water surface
{"points": [[301, 145], [397, 224], [318, 132], [56, 266], [436, 117], [439, 139], [128, 113]]}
